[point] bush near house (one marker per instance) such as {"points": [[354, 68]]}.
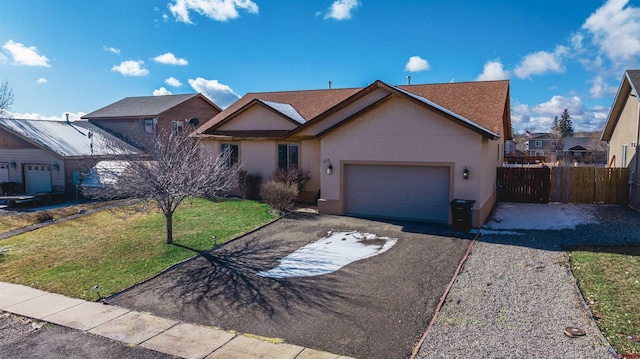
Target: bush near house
{"points": [[298, 177], [280, 196], [249, 185]]}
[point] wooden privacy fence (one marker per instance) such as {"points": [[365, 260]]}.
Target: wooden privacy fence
{"points": [[563, 184], [523, 184], [590, 185]]}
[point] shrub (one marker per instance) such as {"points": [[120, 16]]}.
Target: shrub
{"points": [[299, 177], [249, 185], [43, 216], [280, 196]]}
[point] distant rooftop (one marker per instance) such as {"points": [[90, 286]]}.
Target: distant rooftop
{"points": [[68, 140], [145, 106]]}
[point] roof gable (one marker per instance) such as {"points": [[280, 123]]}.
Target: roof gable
{"points": [[630, 84], [481, 106], [308, 103], [144, 106], [67, 139]]}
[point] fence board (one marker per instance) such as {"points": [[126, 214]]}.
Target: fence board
{"points": [[522, 184], [564, 184]]}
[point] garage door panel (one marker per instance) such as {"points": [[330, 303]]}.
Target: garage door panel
{"points": [[38, 178], [412, 192]]}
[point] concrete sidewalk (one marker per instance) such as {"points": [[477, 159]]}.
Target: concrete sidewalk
{"points": [[163, 335]]}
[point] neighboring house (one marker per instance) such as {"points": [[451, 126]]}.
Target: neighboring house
{"points": [[510, 148], [622, 132], [583, 150], [42, 156], [138, 118], [379, 151], [541, 144]]}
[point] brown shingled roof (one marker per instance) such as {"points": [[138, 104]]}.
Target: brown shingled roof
{"points": [[482, 102], [486, 103], [309, 104]]}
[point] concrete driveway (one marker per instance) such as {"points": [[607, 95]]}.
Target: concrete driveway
{"points": [[376, 307]]}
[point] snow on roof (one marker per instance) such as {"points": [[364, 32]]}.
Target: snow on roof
{"points": [[285, 109], [78, 138], [104, 173]]}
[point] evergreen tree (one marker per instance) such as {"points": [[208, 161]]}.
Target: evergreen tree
{"points": [[565, 125]]}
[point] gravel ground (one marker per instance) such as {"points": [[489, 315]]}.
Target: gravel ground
{"points": [[515, 294]]}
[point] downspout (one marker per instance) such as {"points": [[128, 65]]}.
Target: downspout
{"points": [[634, 175]]}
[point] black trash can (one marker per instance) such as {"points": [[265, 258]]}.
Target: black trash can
{"points": [[461, 210]]}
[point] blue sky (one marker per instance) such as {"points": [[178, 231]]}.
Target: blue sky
{"points": [[78, 56]]}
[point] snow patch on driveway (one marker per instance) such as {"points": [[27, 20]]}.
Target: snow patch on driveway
{"points": [[329, 254]]}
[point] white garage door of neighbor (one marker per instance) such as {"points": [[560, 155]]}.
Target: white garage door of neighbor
{"points": [[408, 192], [4, 172], [38, 178]]}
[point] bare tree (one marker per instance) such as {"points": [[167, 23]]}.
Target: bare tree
{"points": [[175, 168], [6, 97]]}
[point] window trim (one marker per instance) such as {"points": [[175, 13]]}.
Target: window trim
{"points": [[177, 124], [230, 161], [538, 144], [288, 144]]}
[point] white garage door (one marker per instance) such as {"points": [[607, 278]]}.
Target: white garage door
{"points": [[409, 192], [4, 172], [38, 178]]}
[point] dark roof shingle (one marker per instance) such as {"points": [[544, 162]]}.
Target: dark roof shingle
{"points": [[144, 106]]}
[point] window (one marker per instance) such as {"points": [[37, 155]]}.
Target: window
{"points": [[234, 152], [538, 144], [147, 125], [288, 156], [624, 155], [177, 127]]}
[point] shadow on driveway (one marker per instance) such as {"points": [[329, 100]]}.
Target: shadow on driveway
{"points": [[375, 308]]}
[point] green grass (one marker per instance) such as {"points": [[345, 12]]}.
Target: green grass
{"points": [[115, 250], [609, 279]]}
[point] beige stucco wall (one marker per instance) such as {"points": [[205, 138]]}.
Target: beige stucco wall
{"points": [[402, 131], [625, 132], [258, 118], [343, 113], [261, 157]]}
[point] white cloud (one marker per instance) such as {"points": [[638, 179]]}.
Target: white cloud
{"points": [[600, 88], [36, 116], [221, 94], [219, 10], [26, 56], [539, 118], [541, 62], [416, 63], [3, 59], [112, 50], [170, 59], [493, 70], [172, 81], [341, 9], [615, 27], [161, 92], [41, 80], [131, 68]]}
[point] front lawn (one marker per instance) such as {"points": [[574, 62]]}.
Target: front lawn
{"points": [[115, 250], [609, 279]]}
